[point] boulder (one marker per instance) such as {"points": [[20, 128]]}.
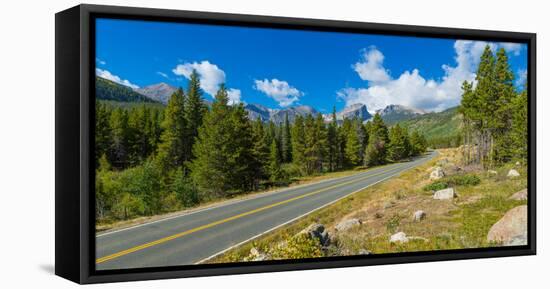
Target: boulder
{"points": [[519, 196], [364, 252], [518, 163], [256, 255], [419, 216], [513, 173], [399, 237], [510, 229], [437, 173], [347, 224], [445, 194], [317, 231]]}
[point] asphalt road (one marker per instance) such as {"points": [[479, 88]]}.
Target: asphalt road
{"points": [[194, 237]]}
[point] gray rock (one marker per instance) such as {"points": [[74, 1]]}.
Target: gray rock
{"points": [[437, 173], [445, 194], [399, 237], [519, 240], [513, 173], [419, 216], [519, 196], [256, 255], [518, 163], [364, 252], [347, 224], [317, 231], [510, 228]]}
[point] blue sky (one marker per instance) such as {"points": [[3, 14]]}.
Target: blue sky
{"points": [[279, 68]]}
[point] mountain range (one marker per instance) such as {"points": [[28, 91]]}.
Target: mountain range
{"points": [[161, 92]]}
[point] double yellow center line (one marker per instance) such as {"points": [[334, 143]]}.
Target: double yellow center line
{"points": [[210, 225]]}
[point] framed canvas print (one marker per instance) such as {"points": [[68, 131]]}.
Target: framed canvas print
{"points": [[193, 144]]}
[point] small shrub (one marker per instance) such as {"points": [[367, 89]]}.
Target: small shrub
{"points": [[464, 180], [298, 247], [436, 186], [393, 223]]}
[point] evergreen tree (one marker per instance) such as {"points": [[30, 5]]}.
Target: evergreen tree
{"points": [[261, 152], [353, 146], [194, 113], [119, 138], [332, 142], [504, 77], [102, 131], [275, 172], [286, 141], [375, 152], [172, 150], [224, 150], [399, 146], [418, 143], [519, 129], [299, 143]]}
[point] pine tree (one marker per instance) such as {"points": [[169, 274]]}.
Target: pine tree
{"points": [[261, 151], [375, 152], [224, 150], [275, 172], [119, 138], [194, 113], [172, 150], [399, 146], [102, 131], [519, 129], [286, 141], [353, 146], [504, 77], [299, 144], [418, 143], [332, 142]]}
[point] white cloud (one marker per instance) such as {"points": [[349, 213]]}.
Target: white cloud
{"points": [[163, 74], [514, 48], [234, 96], [411, 88], [210, 75], [279, 90], [521, 77], [100, 62], [108, 75], [371, 67]]}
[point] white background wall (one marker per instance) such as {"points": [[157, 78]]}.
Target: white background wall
{"points": [[27, 144]]}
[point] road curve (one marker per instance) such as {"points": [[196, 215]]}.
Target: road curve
{"points": [[194, 237]]}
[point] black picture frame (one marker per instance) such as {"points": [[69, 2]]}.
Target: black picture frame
{"points": [[74, 90]]}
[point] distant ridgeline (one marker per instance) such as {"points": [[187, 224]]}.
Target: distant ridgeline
{"points": [[441, 129], [109, 90]]}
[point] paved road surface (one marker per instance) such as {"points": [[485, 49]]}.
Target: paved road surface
{"points": [[193, 237]]}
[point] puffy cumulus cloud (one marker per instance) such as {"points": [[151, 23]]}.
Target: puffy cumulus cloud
{"points": [[210, 75], [411, 88], [371, 68], [279, 90], [521, 77], [234, 96], [114, 78], [514, 48]]}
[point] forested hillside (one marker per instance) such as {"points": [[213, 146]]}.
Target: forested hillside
{"points": [[109, 90], [442, 129]]}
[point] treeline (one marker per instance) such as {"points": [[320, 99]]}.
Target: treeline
{"points": [[495, 113], [151, 160]]}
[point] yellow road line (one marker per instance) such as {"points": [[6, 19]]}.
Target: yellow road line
{"points": [[200, 228]]}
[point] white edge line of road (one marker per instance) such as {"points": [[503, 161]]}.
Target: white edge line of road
{"points": [[224, 203], [303, 215]]}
